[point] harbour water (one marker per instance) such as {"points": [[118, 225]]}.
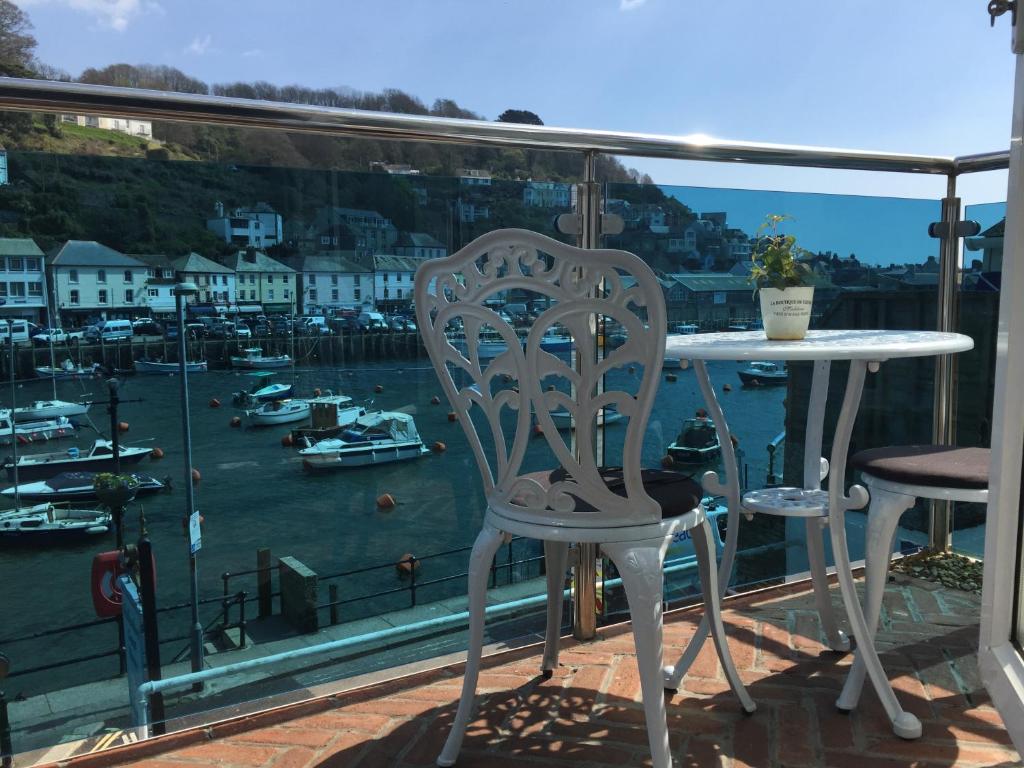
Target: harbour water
{"points": [[254, 494]]}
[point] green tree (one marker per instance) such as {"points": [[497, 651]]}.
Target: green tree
{"points": [[520, 116], [16, 41]]}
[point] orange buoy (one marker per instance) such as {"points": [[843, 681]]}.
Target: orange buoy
{"points": [[537, 429], [667, 462], [406, 564], [214, 403], [196, 477], [157, 453], [287, 441], [440, 447], [671, 377], [435, 400], [452, 416], [378, 388], [122, 426], [316, 392], [236, 421], [727, 388], [386, 501]]}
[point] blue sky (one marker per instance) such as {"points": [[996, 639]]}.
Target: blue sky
{"points": [[869, 74]]}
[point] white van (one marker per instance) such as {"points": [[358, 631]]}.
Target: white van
{"points": [[110, 330], [372, 321], [18, 328]]}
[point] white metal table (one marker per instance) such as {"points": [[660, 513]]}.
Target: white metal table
{"points": [[865, 350]]}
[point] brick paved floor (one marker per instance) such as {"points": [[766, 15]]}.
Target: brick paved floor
{"points": [[588, 713]]}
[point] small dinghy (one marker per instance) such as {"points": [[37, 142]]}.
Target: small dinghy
{"points": [[697, 443], [67, 370], [34, 431], [380, 437], [48, 522], [764, 374], [49, 409], [100, 458], [144, 365], [278, 412], [607, 417], [75, 486], [262, 389]]}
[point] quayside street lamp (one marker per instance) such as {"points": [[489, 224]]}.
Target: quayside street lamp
{"points": [[182, 290]]}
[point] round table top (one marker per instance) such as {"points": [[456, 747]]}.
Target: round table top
{"points": [[873, 345]]}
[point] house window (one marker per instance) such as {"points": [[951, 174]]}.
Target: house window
{"points": [[398, 277], [252, 279], [355, 293], [101, 276], [334, 294], [127, 275], [129, 296], [287, 293], [385, 277], [386, 293], [284, 278], [154, 293], [334, 279], [206, 279], [207, 295], [355, 279], [72, 275], [270, 294], [252, 295], [72, 297], [312, 294], [270, 279], [168, 273], [399, 294], [150, 272], [103, 297], [35, 289], [3, 289], [17, 289], [32, 265], [312, 279], [325, 240], [223, 279], [16, 264]]}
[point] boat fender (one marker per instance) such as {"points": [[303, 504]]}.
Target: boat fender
{"points": [[667, 462], [452, 416], [287, 441], [196, 477], [726, 388], [122, 426], [236, 421], [214, 402], [440, 447], [407, 564], [378, 388], [386, 501], [435, 400], [156, 453], [106, 596]]}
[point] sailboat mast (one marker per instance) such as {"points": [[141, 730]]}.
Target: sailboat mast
{"points": [[14, 431], [53, 364]]}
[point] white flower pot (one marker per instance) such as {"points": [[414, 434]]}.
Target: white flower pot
{"points": [[787, 312]]}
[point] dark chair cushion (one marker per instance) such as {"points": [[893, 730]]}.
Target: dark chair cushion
{"points": [[937, 466], [676, 493]]}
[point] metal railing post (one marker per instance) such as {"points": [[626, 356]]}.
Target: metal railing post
{"points": [[584, 605], [940, 529]]}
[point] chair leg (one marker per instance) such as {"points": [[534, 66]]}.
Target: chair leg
{"points": [[837, 639], [640, 565], [484, 549], [883, 518], [556, 554], [704, 547]]}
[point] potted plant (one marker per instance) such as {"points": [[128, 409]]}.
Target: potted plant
{"points": [[114, 491], [781, 282]]}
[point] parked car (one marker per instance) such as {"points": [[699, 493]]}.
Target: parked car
{"points": [[146, 327], [195, 330], [47, 336], [242, 331], [399, 323], [109, 330], [372, 321]]}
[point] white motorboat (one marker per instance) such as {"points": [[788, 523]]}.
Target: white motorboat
{"points": [[489, 345], [330, 415], [100, 457], [697, 442], [605, 417], [46, 521], [49, 409], [34, 431], [160, 366], [764, 374], [262, 389], [75, 486], [253, 357], [67, 370], [278, 412], [379, 437]]}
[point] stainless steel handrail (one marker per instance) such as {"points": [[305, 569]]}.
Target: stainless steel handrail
{"points": [[48, 96]]}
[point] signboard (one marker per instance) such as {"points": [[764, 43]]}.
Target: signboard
{"points": [[719, 297], [134, 648], [195, 540]]}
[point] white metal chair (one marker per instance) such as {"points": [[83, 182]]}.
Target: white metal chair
{"points": [[579, 502], [896, 477]]}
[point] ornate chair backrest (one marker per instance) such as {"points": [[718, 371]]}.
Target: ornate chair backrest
{"points": [[491, 367]]}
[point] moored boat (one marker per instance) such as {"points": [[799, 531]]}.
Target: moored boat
{"points": [[253, 357], [379, 437], [697, 442], [261, 389], [143, 365], [276, 412], [48, 522], [100, 457], [330, 414], [67, 370], [489, 344], [764, 374], [605, 418], [75, 486], [34, 431], [49, 409]]}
